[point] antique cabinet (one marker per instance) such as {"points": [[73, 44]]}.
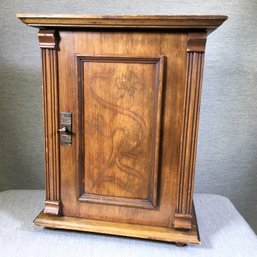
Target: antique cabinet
{"points": [[121, 101]]}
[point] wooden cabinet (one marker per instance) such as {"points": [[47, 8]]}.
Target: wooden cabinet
{"points": [[121, 108]]}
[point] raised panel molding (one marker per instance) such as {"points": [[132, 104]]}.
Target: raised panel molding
{"points": [[195, 63], [130, 88], [48, 42]]}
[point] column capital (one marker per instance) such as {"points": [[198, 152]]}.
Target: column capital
{"points": [[196, 41], [48, 39]]}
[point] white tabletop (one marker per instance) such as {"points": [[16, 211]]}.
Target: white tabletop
{"points": [[223, 233]]}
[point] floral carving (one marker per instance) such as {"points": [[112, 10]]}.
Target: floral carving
{"points": [[125, 137]]}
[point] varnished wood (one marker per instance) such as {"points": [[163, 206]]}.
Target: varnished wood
{"points": [[134, 182], [48, 42], [52, 207], [104, 46], [207, 22], [180, 237], [193, 85], [48, 39], [196, 42], [132, 85]]}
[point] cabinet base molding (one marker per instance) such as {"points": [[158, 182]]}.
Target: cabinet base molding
{"points": [[52, 207], [172, 235], [182, 221]]}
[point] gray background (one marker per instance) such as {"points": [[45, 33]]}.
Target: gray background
{"points": [[227, 148]]}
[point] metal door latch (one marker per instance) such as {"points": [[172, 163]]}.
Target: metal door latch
{"points": [[65, 129]]}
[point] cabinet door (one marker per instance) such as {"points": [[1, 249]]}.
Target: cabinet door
{"points": [[121, 164]]}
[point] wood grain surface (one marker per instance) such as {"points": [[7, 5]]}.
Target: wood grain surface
{"points": [[134, 99], [179, 237], [77, 175], [207, 22]]}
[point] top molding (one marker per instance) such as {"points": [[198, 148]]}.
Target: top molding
{"points": [[196, 22]]}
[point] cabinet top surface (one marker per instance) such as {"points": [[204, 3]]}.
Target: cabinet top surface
{"points": [[207, 22]]}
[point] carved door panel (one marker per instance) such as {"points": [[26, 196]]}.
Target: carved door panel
{"points": [[114, 167], [120, 107]]}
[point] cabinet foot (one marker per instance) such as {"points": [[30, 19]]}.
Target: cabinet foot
{"points": [[181, 245]]}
